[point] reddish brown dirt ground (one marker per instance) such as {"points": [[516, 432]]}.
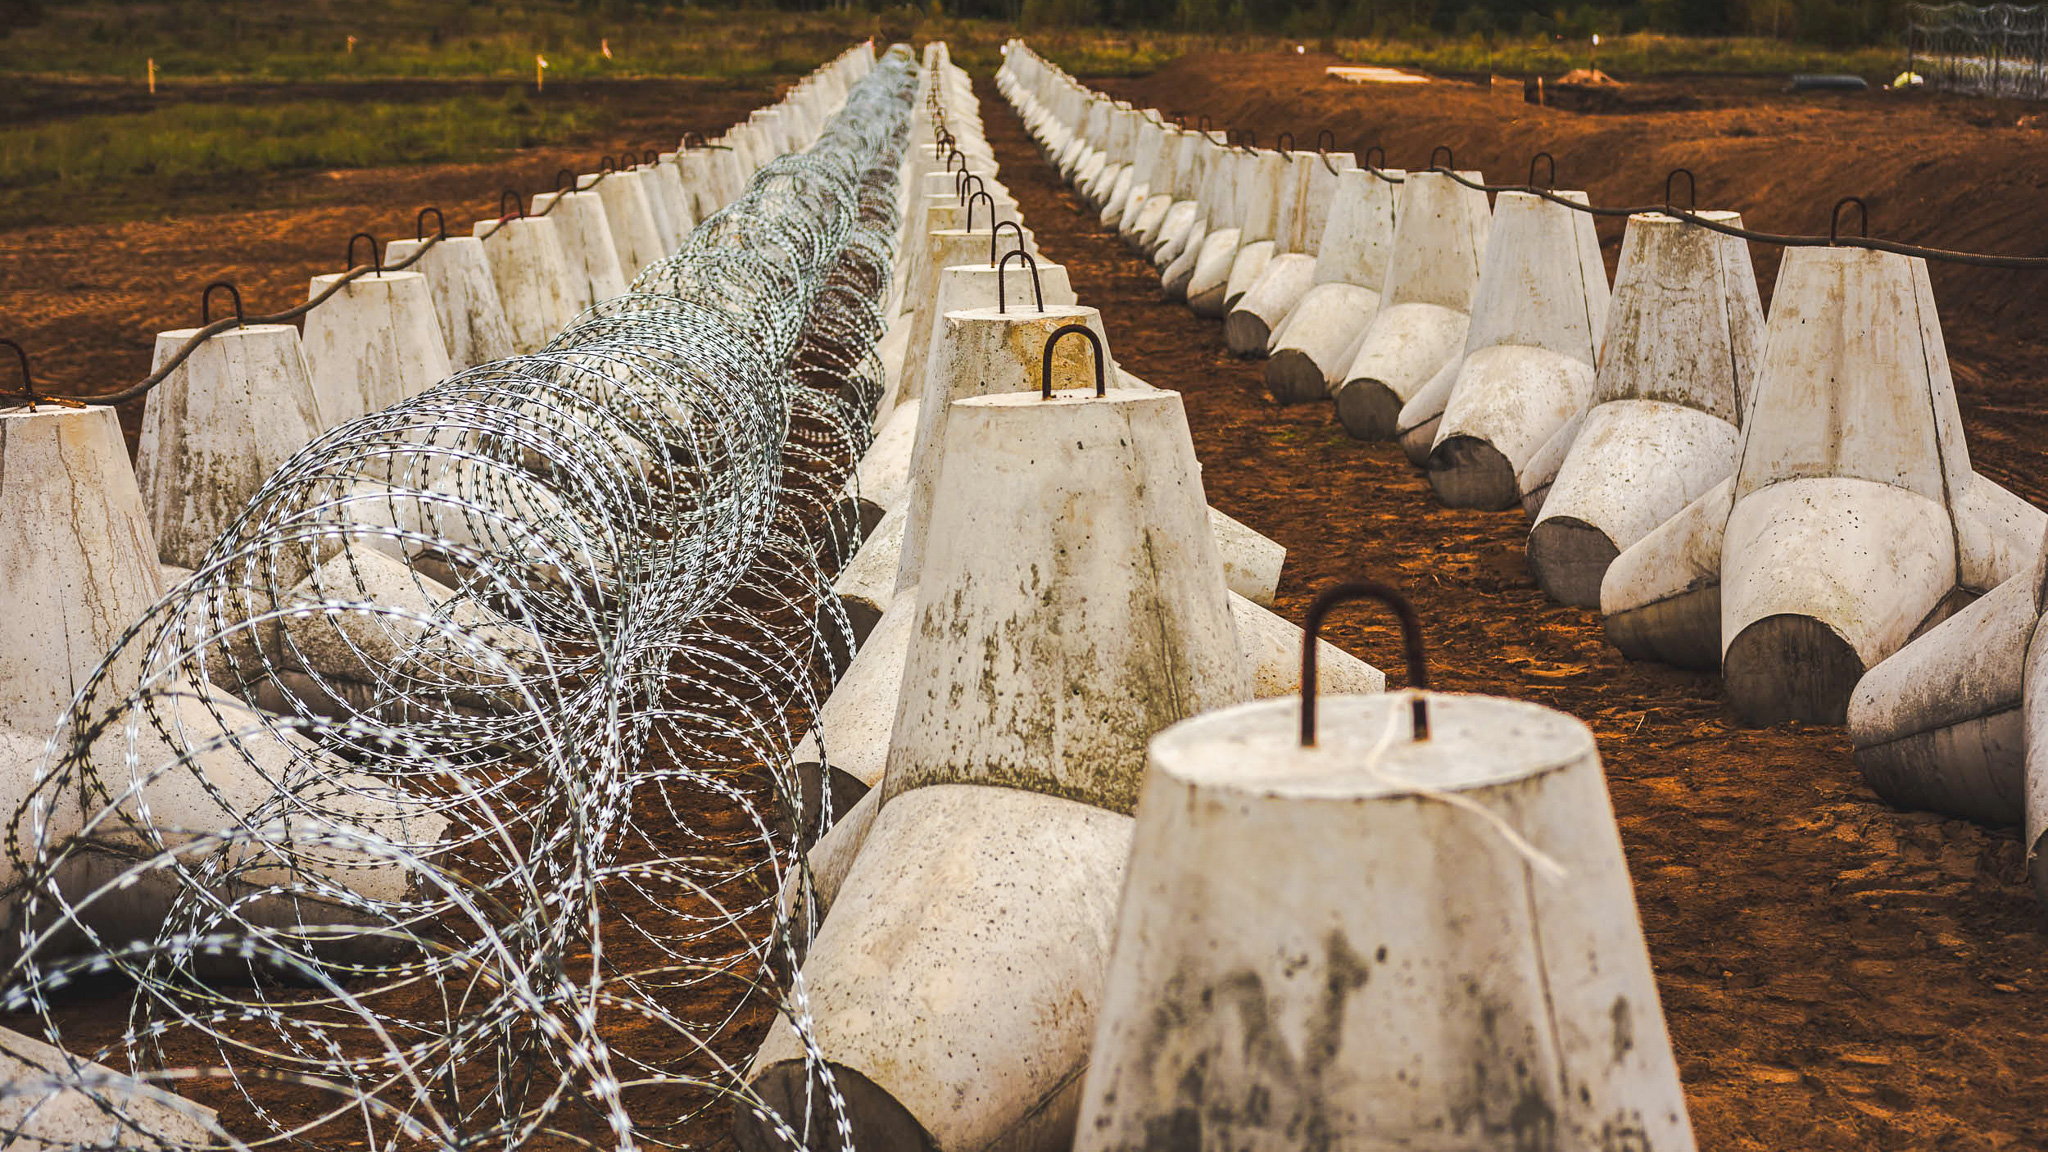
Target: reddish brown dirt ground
{"points": [[87, 300], [1836, 974]]}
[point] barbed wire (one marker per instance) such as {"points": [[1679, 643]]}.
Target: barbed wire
{"points": [[450, 799]]}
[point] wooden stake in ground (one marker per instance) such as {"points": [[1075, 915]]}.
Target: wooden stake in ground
{"points": [[152, 75], [540, 67]]}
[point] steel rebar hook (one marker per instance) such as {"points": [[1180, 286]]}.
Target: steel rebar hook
{"points": [[234, 293], [1411, 638], [1045, 370], [1002, 277]]}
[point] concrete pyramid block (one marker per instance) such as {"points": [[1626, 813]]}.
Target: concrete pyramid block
{"points": [[1425, 306], [1066, 537], [1841, 536], [586, 237], [372, 344], [217, 427], [1684, 341], [1538, 317], [533, 278], [1461, 988], [473, 323]]}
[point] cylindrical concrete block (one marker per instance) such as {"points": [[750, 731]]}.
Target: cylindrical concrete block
{"points": [[1661, 598], [1448, 993]]}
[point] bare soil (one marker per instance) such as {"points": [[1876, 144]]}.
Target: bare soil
{"points": [[1836, 974]]}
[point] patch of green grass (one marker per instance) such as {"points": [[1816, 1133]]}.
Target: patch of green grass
{"points": [[182, 147]]}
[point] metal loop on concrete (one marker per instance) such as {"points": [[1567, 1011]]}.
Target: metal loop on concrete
{"points": [[1550, 171], [997, 231], [419, 224], [1411, 641], [376, 253], [1094, 341], [991, 201], [1037, 289], [1692, 198], [234, 293], [1835, 218]]}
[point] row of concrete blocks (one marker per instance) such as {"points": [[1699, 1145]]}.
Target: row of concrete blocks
{"points": [[1789, 502], [88, 550], [1087, 888], [250, 397]]}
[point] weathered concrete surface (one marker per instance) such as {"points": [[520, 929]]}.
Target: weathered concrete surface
{"points": [[953, 988], [473, 323], [1070, 604], [1321, 333], [635, 239], [60, 1100], [1538, 318], [1425, 306], [1661, 597], [216, 428], [372, 344], [585, 234], [532, 274], [1448, 994]]}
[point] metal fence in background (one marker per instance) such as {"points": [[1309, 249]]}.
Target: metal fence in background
{"points": [[1987, 50]]}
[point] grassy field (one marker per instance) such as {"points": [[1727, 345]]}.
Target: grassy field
{"points": [[310, 40], [253, 89]]}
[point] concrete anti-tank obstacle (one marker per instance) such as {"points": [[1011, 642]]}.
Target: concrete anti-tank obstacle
{"points": [[1527, 376], [1268, 224], [1185, 219], [374, 343], [635, 238], [1940, 725], [1002, 827], [474, 328], [585, 233], [655, 195], [982, 352], [80, 571], [1271, 299], [1477, 980], [1840, 533], [858, 716], [969, 282], [1140, 223], [1211, 241], [882, 478], [682, 213], [59, 1100], [1311, 350], [1425, 307], [1253, 199], [1684, 337], [1157, 143], [216, 428], [532, 273]]}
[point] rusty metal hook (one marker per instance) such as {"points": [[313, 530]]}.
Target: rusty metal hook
{"points": [[376, 256], [956, 154], [206, 302], [1373, 151], [516, 211], [28, 381], [701, 141], [1551, 161], [1411, 638], [991, 211], [1450, 161], [1002, 277], [998, 231], [560, 174], [606, 164], [1835, 218], [1094, 341], [419, 224], [1692, 199], [963, 182], [1287, 147], [1202, 123], [650, 156]]}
